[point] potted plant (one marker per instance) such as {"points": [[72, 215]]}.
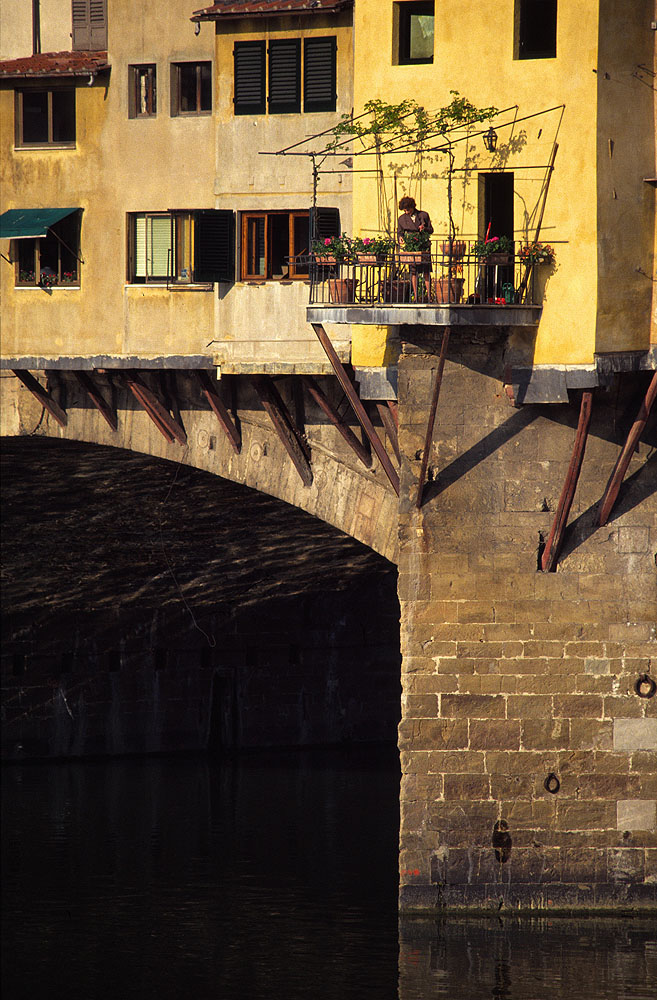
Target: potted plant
{"points": [[417, 248], [372, 249], [332, 249], [454, 249], [494, 250], [536, 253]]}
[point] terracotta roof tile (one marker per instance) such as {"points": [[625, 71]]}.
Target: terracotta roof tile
{"points": [[55, 64], [262, 8]]}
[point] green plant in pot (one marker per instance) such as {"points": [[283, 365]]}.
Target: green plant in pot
{"points": [[417, 242], [373, 247], [339, 248], [492, 247]]}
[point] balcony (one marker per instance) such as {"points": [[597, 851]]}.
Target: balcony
{"points": [[436, 288]]}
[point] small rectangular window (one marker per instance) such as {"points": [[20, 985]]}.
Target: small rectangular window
{"points": [[191, 88], [142, 98], [51, 260], [45, 117], [269, 79], [536, 29], [270, 243], [89, 22], [415, 32]]}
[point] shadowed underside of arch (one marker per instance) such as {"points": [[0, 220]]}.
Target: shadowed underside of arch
{"points": [[343, 492]]}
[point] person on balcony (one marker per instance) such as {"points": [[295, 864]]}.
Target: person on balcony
{"points": [[411, 220]]}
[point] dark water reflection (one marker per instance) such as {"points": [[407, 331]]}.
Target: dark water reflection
{"points": [[271, 877]]}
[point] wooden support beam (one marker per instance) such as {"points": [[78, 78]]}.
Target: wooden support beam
{"points": [[388, 422], [392, 406], [437, 382], [158, 413], [97, 399], [42, 394], [329, 410], [220, 411], [289, 435], [618, 474], [357, 406], [555, 538]]}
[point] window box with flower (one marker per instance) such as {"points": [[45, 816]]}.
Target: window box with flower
{"points": [[416, 248], [372, 249], [494, 250], [536, 253], [333, 249]]}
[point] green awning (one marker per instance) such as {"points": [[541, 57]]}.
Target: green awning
{"points": [[26, 223]]}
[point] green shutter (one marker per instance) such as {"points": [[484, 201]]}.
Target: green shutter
{"points": [[285, 76], [319, 76], [249, 75]]}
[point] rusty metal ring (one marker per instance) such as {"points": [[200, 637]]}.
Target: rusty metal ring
{"points": [[645, 686], [552, 783]]}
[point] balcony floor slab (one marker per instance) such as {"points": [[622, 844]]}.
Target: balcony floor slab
{"points": [[429, 315]]}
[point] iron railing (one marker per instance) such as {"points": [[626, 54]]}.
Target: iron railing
{"points": [[436, 277]]}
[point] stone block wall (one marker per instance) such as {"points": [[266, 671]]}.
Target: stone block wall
{"points": [[529, 762]]}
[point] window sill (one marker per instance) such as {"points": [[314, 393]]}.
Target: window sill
{"points": [[199, 286], [39, 146], [50, 288]]}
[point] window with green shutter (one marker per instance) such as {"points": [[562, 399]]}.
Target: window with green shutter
{"points": [[319, 76], [271, 79], [284, 79], [249, 59], [89, 22]]}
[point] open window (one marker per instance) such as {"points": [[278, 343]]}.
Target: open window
{"points": [[270, 243], [179, 248], [191, 88], [142, 96], [535, 29], [52, 259], [45, 116], [413, 28]]}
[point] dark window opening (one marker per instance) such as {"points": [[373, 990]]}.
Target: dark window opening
{"points": [[536, 29], [496, 205], [269, 78], [270, 243], [191, 88], [45, 117], [18, 664], [143, 91], [52, 259], [416, 32]]}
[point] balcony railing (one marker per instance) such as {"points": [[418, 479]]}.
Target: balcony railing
{"points": [[433, 278]]}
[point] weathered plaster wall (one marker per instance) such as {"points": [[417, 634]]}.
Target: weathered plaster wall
{"points": [[16, 27], [510, 674]]}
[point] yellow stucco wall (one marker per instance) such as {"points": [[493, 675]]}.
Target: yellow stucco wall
{"points": [[473, 54]]}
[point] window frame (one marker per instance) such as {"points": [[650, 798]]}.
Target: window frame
{"points": [[295, 272], [260, 80], [176, 84], [19, 124], [404, 12], [35, 242], [201, 242], [521, 29], [136, 72]]}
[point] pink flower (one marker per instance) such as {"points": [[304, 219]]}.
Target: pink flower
{"points": [[327, 242]]}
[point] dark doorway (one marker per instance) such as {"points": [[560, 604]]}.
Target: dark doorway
{"points": [[496, 205]]}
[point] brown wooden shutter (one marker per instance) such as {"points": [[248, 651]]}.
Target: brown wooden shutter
{"points": [[89, 21]]}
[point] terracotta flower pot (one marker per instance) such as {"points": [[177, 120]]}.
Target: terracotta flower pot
{"points": [[342, 289], [325, 258], [458, 248], [413, 257], [449, 289]]}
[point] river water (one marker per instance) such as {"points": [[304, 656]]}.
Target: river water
{"points": [[270, 876]]}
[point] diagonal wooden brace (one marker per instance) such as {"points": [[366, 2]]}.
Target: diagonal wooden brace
{"points": [[160, 416], [220, 411], [345, 430], [289, 435], [42, 394], [357, 406], [555, 538], [618, 474], [96, 398], [388, 422]]}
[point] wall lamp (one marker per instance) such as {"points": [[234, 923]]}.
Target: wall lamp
{"points": [[490, 140]]}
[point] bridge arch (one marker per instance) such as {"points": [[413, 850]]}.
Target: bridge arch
{"points": [[343, 493]]}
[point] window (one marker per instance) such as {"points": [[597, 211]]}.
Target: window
{"points": [[89, 19], [415, 23], [269, 78], [181, 247], [45, 117], [269, 239], [52, 259], [536, 29], [191, 88], [142, 98]]}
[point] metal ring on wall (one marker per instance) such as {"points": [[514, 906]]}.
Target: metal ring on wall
{"points": [[645, 686], [552, 783]]}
